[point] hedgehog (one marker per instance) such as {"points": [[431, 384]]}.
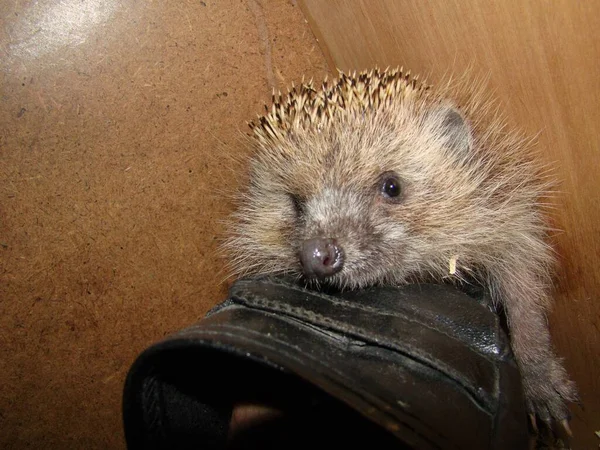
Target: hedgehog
{"points": [[379, 178]]}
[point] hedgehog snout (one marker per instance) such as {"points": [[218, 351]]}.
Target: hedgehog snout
{"points": [[321, 257]]}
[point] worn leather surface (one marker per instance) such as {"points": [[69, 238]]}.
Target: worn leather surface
{"points": [[419, 366]]}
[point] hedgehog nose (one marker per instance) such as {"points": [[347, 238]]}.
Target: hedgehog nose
{"points": [[321, 257]]}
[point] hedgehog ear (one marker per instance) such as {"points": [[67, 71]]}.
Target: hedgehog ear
{"points": [[455, 131]]}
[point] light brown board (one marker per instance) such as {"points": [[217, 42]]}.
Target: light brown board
{"points": [[119, 125], [542, 59]]}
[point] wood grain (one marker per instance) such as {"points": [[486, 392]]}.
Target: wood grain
{"points": [[542, 60]]}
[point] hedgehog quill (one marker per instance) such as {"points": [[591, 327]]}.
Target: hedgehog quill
{"points": [[377, 178]]}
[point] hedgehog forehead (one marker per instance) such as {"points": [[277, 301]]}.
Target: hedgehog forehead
{"points": [[350, 154], [334, 159]]}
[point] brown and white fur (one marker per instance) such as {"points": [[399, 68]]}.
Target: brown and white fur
{"points": [[471, 195]]}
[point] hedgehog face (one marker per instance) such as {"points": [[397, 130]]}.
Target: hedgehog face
{"points": [[370, 180], [348, 205], [348, 236]]}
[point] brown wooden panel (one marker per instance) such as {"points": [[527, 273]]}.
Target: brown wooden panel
{"points": [[542, 59]]}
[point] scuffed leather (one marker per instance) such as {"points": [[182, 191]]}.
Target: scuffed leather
{"points": [[428, 365]]}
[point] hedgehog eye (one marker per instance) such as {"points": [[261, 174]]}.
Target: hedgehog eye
{"points": [[391, 186], [298, 203]]}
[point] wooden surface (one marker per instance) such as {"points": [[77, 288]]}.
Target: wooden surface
{"points": [[542, 60], [119, 121]]}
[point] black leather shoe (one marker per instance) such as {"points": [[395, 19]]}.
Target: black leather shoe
{"points": [[420, 366]]}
